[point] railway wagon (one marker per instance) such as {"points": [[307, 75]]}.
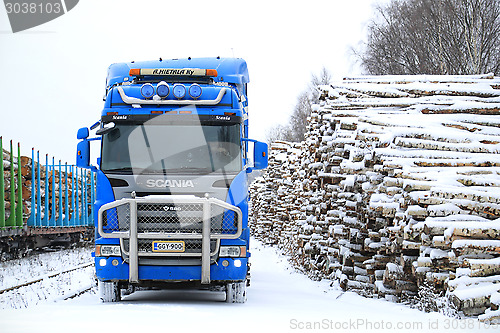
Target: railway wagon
{"points": [[42, 203]]}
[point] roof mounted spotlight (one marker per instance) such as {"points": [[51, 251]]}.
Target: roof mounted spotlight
{"points": [[147, 90], [179, 91], [195, 91], [162, 89]]}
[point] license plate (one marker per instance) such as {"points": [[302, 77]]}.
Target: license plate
{"points": [[169, 246]]}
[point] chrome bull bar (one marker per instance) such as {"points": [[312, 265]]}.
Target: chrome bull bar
{"points": [[169, 217]]}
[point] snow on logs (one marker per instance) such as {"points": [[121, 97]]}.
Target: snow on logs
{"points": [[395, 188]]}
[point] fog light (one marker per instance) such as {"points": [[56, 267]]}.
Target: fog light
{"points": [[147, 90], [179, 91], [162, 89], [225, 263], [195, 91], [237, 263], [115, 262], [102, 262]]}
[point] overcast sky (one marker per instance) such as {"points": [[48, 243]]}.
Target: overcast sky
{"points": [[52, 76]]}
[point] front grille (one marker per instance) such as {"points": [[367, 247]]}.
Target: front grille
{"points": [[223, 221], [116, 219], [169, 218], [162, 222]]}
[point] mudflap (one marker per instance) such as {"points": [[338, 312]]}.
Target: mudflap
{"points": [[109, 291], [236, 292]]}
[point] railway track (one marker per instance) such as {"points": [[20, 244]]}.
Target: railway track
{"points": [[71, 294]]}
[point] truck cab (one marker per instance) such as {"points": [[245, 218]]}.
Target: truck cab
{"points": [[172, 177]]}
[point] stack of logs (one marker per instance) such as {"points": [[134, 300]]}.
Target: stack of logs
{"points": [[396, 188], [26, 179], [12, 184]]}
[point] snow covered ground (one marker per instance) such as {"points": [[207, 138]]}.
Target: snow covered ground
{"points": [[279, 300], [40, 266]]}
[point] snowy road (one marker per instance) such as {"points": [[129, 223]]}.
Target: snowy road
{"points": [[279, 300]]}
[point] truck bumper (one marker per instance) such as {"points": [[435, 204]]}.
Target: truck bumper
{"points": [[169, 219], [107, 270]]}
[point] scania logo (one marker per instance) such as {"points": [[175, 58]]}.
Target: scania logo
{"points": [[169, 183]]}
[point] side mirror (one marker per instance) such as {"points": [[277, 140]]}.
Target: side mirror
{"points": [[83, 154], [83, 133], [260, 159]]}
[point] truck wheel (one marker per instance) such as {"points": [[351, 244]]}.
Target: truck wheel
{"points": [[109, 291], [236, 292], [129, 290]]}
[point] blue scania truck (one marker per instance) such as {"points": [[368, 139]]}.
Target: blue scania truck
{"points": [[172, 177]]}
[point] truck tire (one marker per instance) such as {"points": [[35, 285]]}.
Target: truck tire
{"points": [[236, 292], [109, 291]]}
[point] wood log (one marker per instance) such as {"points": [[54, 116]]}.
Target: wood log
{"points": [[382, 290], [489, 231], [436, 280], [476, 246], [403, 285], [431, 229], [359, 285], [479, 111], [439, 242], [406, 262], [465, 281], [495, 301], [474, 300], [424, 262], [483, 267], [393, 272], [411, 248]]}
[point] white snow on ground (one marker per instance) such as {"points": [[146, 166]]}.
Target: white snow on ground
{"points": [[39, 266], [279, 300]]}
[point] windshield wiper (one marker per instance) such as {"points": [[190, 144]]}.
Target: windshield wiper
{"points": [[189, 169], [151, 171], [127, 170]]}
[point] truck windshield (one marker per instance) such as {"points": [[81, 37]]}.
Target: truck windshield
{"points": [[171, 148]]}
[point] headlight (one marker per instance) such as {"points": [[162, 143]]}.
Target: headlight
{"points": [[108, 251], [233, 251]]}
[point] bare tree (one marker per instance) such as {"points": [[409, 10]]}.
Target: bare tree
{"points": [[433, 37], [297, 123], [298, 119], [324, 78], [277, 133]]}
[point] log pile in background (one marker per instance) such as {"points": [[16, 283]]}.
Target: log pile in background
{"points": [[26, 180], [395, 188]]}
